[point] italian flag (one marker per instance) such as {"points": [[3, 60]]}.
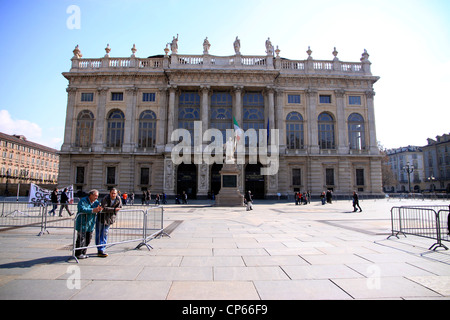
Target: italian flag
{"points": [[237, 130]]}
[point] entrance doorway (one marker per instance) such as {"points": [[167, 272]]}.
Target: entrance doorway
{"points": [[187, 180], [254, 181]]}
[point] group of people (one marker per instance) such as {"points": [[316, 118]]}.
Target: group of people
{"points": [[63, 201], [302, 198], [147, 198], [94, 215]]}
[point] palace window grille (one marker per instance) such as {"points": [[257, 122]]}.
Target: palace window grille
{"points": [[356, 134], [294, 131], [85, 129], [147, 129], [115, 129], [326, 132]]}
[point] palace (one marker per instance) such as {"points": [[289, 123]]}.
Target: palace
{"points": [[121, 114]]}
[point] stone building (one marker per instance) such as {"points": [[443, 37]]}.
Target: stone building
{"points": [[121, 113], [436, 157], [25, 162]]}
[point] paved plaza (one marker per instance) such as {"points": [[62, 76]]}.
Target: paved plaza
{"points": [[278, 251]]}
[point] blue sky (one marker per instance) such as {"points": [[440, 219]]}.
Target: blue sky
{"points": [[408, 43]]}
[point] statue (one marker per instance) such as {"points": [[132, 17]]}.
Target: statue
{"points": [[206, 46], [174, 45], [230, 151], [269, 47], [237, 46]]}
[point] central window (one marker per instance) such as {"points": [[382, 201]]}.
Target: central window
{"points": [[253, 112], [189, 112], [221, 112], [326, 132]]}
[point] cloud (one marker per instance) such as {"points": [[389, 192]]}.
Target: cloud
{"points": [[11, 126]]}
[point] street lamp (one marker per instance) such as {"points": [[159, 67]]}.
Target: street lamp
{"points": [[409, 169]]}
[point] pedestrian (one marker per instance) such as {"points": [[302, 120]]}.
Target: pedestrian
{"points": [[296, 195], [164, 198], [132, 198], [111, 205], [64, 203], [88, 207], [148, 197], [54, 201], [157, 198], [356, 202], [329, 196], [185, 197], [249, 200], [322, 197]]}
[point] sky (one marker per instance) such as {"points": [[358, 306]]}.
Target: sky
{"points": [[407, 40]]}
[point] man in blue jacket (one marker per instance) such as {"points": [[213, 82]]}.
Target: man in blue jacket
{"points": [[88, 208]]}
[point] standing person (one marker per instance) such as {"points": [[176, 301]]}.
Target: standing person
{"points": [[322, 197], [64, 203], [54, 201], [132, 198], [329, 196], [88, 207], [157, 197], [249, 200], [356, 202], [111, 204], [185, 197]]}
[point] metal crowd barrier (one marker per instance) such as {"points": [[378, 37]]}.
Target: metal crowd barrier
{"points": [[423, 221], [20, 215], [131, 225]]}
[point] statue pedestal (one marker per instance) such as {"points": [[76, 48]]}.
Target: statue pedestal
{"points": [[229, 195]]}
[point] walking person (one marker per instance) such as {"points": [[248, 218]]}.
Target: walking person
{"points": [[249, 200], [111, 205], [88, 207], [356, 202], [64, 203], [54, 201]]}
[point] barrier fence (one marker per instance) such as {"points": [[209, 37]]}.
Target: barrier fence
{"points": [[424, 221], [133, 224]]}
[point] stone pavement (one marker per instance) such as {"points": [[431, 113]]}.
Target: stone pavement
{"points": [[278, 251]]}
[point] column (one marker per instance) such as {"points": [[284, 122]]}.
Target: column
{"points": [[130, 119], [311, 112], [237, 107], [99, 126], [342, 135], [373, 146], [279, 118], [271, 106], [70, 118], [205, 107], [162, 121], [171, 115]]}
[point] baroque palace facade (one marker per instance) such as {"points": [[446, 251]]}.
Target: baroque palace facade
{"points": [[121, 113]]}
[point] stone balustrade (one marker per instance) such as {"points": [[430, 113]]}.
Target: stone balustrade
{"points": [[206, 61]]}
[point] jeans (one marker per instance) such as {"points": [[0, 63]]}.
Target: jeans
{"points": [[101, 235]]}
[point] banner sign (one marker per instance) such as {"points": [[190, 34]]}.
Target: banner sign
{"points": [[40, 195]]}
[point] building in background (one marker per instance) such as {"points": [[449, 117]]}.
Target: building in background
{"points": [[24, 162], [436, 156], [121, 113]]}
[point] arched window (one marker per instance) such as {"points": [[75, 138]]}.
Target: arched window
{"points": [[253, 103], [115, 130], [356, 133], [294, 131], [85, 129], [189, 112], [326, 132], [147, 129], [221, 112]]}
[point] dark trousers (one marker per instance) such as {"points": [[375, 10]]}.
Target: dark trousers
{"points": [[83, 240], [356, 204]]}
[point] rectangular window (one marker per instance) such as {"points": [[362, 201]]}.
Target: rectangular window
{"points": [[294, 99], [79, 179], [296, 177], [145, 176], [117, 96], [111, 175], [354, 100], [359, 177], [87, 97], [329, 177], [148, 97], [325, 99]]}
